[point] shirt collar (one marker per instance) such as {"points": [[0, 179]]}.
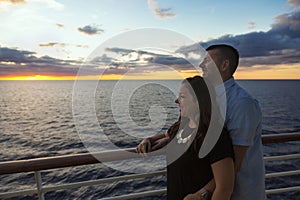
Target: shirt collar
{"points": [[227, 84]]}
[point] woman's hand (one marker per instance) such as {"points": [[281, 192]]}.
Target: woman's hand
{"points": [[144, 146], [194, 196], [160, 143]]}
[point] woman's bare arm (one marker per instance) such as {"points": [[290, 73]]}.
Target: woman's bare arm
{"points": [[224, 176]]}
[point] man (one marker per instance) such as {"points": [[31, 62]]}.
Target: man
{"points": [[242, 120]]}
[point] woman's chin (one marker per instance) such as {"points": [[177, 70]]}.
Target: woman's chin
{"points": [[182, 114]]}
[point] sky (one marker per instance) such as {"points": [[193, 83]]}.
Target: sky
{"points": [[65, 40]]}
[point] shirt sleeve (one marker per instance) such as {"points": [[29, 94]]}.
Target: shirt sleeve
{"points": [[244, 121], [222, 149]]}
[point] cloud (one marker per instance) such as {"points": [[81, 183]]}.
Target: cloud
{"points": [[160, 12], [14, 55], [119, 50], [14, 62], [287, 24], [59, 25], [49, 3], [90, 29], [168, 60], [144, 60], [279, 45], [251, 25], [32, 70], [13, 1], [82, 46], [52, 44], [295, 3], [62, 45]]}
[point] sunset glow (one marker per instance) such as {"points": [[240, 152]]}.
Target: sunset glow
{"points": [[36, 78], [256, 72], [291, 71]]}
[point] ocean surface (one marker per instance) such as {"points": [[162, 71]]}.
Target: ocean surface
{"points": [[41, 119]]}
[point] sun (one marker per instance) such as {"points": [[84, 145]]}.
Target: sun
{"points": [[30, 78]]}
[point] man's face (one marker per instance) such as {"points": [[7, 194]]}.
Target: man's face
{"points": [[210, 64]]}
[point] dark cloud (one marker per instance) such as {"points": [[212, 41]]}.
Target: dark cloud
{"points": [[151, 57], [16, 56], [145, 60], [119, 50], [277, 58], [34, 69], [177, 63], [287, 24], [90, 30], [279, 45], [29, 57], [256, 43], [14, 62]]}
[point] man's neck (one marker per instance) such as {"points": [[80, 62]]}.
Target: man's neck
{"points": [[226, 78]]}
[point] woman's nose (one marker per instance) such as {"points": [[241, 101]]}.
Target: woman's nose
{"points": [[177, 101]]}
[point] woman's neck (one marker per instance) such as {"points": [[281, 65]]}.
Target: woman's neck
{"points": [[192, 123]]}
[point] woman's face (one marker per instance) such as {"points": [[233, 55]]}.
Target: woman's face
{"points": [[187, 102]]}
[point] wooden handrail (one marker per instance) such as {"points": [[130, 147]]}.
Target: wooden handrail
{"points": [[45, 163], [37, 164], [282, 137]]}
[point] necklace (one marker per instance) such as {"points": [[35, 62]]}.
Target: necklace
{"points": [[182, 140]]}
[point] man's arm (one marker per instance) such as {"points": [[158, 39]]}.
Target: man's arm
{"points": [[239, 153]]}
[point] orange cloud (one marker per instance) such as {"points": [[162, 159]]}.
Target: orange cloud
{"points": [[51, 44], [59, 25], [13, 1]]}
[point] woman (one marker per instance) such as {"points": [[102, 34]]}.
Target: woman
{"points": [[187, 174]]}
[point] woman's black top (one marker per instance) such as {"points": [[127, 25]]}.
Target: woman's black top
{"points": [[189, 173]]}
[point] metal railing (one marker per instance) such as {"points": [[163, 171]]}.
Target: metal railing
{"points": [[40, 164]]}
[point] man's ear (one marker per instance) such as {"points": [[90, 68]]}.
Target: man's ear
{"points": [[225, 65]]}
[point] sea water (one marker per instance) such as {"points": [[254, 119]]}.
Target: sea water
{"points": [[37, 120]]}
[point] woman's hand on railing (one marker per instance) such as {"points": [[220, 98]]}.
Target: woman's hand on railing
{"points": [[160, 143], [144, 146], [153, 143]]}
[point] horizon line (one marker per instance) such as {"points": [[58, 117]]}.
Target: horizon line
{"points": [[237, 79]]}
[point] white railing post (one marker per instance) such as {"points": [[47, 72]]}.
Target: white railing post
{"points": [[39, 185]]}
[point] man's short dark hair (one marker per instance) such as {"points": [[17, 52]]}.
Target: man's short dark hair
{"points": [[227, 52]]}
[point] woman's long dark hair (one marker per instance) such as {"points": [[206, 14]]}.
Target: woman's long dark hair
{"points": [[206, 98]]}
